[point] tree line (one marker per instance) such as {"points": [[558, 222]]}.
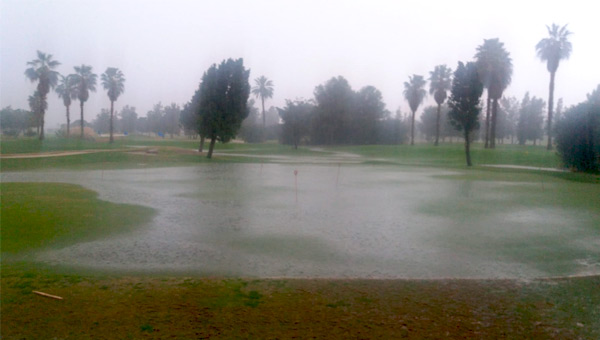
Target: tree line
{"points": [[338, 114]]}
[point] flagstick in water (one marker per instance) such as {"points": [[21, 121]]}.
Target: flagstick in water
{"points": [[296, 184]]}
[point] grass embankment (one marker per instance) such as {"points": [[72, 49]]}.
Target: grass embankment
{"points": [[39, 215]]}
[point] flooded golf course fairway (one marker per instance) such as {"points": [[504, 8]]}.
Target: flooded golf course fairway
{"points": [[342, 221]]}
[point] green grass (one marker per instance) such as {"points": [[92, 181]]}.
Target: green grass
{"points": [[37, 215], [453, 155], [34, 145]]}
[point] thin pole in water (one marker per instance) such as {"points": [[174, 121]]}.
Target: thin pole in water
{"points": [[296, 184], [337, 177]]}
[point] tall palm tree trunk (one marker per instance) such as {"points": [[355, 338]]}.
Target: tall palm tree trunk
{"points": [[68, 121], [42, 125], [412, 129], [550, 109], [111, 121], [487, 122], [81, 121], [263, 112], [493, 127], [437, 126]]}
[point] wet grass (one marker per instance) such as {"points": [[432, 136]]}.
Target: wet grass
{"points": [[453, 155], [39, 215]]}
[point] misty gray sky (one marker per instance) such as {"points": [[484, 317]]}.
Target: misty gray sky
{"points": [[163, 47]]}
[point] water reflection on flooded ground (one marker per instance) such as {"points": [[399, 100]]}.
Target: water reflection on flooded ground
{"points": [[344, 221]]}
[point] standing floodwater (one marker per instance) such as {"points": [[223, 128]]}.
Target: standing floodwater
{"points": [[347, 221]]}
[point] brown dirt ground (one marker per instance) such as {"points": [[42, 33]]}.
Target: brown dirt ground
{"points": [[184, 308]]}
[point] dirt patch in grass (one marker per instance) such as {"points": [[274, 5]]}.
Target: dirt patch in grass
{"points": [[192, 308]]}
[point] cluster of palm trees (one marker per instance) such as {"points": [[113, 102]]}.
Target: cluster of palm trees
{"points": [[73, 86], [494, 67]]}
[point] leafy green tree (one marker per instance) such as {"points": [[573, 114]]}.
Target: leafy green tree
{"points": [[171, 119], [333, 112], [224, 95], [67, 90], [368, 111], [430, 121], [414, 94], [251, 131], [531, 119], [578, 135], [86, 82], [155, 119], [464, 102], [439, 85], [263, 90], [15, 121], [495, 69], [114, 83], [552, 50], [509, 112], [41, 70], [128, 119], [189, 121], [102, 123], [296, 116]]}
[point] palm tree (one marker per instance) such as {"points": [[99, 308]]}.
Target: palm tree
{"points": [[37, 106], [114, 82], [67, 90], [86, 82], [262, 90], [41, 70], [494, 66], [414, 94], [552, 50], [439, 85]]}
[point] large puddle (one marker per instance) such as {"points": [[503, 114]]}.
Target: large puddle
{"points": [[341, 221]]}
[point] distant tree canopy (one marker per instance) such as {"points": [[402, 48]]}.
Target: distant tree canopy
{"points": [[296, 116], [578, 135], [251, 131], [429, 120], [128, 119], [343, 116], [16, 121], [464, 102], [223, 96], [531, 118], [102, 122]]}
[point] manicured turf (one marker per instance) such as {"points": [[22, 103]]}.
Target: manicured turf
{"points": [[453, 155], [36, 215]]}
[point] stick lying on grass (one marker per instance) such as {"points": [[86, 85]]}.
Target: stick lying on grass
{"points": [[47, 295]]}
